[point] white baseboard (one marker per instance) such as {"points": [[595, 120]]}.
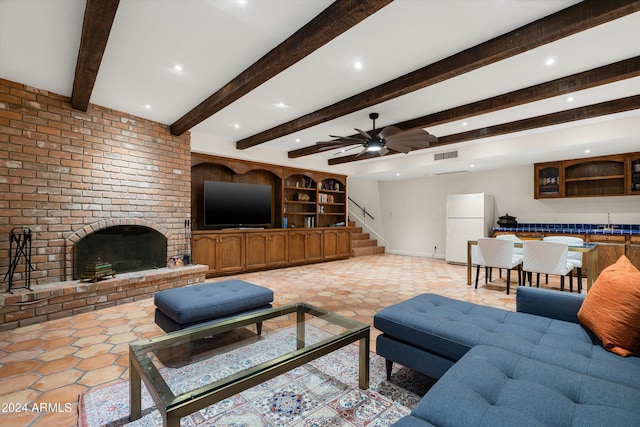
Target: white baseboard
{"points": [[416, 254]]}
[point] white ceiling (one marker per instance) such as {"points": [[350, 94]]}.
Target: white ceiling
{"points": [[215, 40]]}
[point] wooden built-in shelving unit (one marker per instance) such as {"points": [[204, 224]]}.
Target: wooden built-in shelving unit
{"points": [[309, 218], [616, 175]]}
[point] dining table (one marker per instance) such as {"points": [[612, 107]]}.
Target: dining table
{"points": [[588, 249]]}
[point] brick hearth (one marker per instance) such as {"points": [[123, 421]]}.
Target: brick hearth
{"points": [[56, 300]]}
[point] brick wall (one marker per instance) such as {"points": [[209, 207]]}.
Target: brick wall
{"points": [[63, 172]]}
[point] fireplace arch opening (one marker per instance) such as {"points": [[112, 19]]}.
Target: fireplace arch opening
{"points": [[126, 247]]}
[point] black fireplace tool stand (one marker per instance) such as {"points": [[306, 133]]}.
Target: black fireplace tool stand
{"points": [[19, 250]]}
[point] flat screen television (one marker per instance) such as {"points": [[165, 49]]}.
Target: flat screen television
{"points": [[233, 204]]}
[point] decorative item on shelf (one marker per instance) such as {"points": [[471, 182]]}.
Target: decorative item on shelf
{"points": [[507, 221], [303, 197], [336, 186]]}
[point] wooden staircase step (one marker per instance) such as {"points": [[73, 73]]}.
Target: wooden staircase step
{"points": [[363, 243], [369, 250], [359, 236]]}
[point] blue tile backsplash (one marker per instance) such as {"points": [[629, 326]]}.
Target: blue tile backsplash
{"points": [[574, 228]]}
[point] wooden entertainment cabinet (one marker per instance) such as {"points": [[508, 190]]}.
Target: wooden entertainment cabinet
{"points": [[309, 218]]}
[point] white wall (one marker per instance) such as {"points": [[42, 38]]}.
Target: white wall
{"points": [[413, 211]]}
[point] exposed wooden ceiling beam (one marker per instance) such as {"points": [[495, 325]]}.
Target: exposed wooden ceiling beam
{"points": [[574, 19], [329, 24], [617, 71], [98, 20], [580, 113]]}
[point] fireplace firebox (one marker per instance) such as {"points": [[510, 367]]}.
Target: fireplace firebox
{"points": [[126, 247]]}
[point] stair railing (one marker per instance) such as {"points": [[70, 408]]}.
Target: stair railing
{"points": [[362, 223], [364, 210]]}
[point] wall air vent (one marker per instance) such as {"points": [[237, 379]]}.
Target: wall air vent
{"points": [[447, 155]]}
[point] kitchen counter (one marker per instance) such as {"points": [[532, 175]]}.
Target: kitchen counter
{"points": [[612, 242], [615, 229]]}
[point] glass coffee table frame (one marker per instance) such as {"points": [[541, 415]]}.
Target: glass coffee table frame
{"points": [[173, 407]]}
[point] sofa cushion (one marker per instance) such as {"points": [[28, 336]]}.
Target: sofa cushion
{"points": [[502, 388], [450, 328], [612, 308]]}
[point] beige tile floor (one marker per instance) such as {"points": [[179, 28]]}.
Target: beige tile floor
{"points": [[52, 363]]}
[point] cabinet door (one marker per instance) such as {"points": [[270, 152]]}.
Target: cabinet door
{"points": [[313, 246], [337, 243], [231, 252], [633, 252], [257, 250], [610, 248], [548, 180], [633, 175], [297, 241], [344, 243], [204, 252], [278, 249]]}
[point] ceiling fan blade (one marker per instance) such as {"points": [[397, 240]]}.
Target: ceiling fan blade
{"points": [[382, 151], [336, 143], [415, 138], [363, 133], [361, 153], [348, 138], [345, 150], [389, 131], [321, 148], [398, 147]]}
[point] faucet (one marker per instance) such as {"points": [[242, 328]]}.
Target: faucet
{"points": [[609, 223]]}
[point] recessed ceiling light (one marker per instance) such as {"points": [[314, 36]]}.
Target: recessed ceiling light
{"points": [[297, 139], [236, 125], [147, 106], [587, 151], [177, 67], [472, 166], [358, 65], [550, 61], [570, 99], [397, 173], [280, 105], [464, 123]]}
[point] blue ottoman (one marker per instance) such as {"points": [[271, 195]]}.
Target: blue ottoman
{"points": [[181, 308]]}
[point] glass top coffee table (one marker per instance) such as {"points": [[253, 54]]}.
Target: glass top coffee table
{"points": [[296, 333]]}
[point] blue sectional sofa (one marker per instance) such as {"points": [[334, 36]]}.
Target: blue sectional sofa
{"points": [[534, 367]]}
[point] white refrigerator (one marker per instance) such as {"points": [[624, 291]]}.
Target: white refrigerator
{"points": [[469, 216]]}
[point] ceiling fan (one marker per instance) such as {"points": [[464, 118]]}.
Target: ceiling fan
{"points": [[389, 138]]}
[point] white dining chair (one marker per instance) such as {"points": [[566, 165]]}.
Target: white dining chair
{"points": [[490, 252], [574, 258], [542, 257], [517, 252]]}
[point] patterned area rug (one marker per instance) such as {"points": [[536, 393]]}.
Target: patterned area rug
{"points": [[322, 393]]}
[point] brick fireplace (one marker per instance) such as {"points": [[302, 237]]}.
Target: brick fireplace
{"points": [[66, 174]]}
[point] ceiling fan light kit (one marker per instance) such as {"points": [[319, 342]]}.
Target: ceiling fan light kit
{"points": [[381, 142]]}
